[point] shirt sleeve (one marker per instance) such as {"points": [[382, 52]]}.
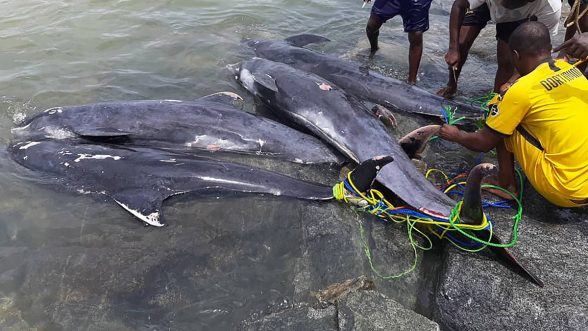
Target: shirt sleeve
{"points": [[505, 116], [476, 3]]}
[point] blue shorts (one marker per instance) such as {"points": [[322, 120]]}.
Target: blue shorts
{"points": [[414, 13]]}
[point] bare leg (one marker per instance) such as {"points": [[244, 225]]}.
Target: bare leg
{"points": [[505, 68], [415, 52], [467, 36], [373, 31]]}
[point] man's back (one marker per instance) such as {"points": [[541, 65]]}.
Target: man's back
{"points": [[551, 104]]}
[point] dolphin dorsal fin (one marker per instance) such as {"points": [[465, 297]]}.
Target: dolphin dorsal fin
{"points": [[305, 39], [228, 98]]}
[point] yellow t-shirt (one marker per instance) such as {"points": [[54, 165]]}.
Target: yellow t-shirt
{"points": [[551, 105]]}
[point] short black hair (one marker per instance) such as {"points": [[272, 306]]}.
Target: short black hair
{"points": [[530, 38]]}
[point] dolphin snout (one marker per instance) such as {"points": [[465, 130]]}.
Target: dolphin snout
{"points": [[235, 68]]}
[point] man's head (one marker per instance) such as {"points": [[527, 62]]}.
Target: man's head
{"points": [[530, 43]]}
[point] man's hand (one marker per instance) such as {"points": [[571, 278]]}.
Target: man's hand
{"points": [[576, 47], [452, 58], [449, 132]]}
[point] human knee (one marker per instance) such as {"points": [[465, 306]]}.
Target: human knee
{"points": [[415, 39]]}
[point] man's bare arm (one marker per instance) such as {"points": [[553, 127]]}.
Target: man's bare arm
{"points": [[482, 140]]}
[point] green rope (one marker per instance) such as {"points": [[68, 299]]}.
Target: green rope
{"points": [[517, 217], [413, 243]]}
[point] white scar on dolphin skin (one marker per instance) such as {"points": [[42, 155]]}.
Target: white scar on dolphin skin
{"points": [[227, 181], [235, 96], [168, 161], [261, 143], [248, 80], [96, 157], [22, 128], [30, 144], [82, 191], [172, 100], [152, 219], [53, 110], [58, 133]]}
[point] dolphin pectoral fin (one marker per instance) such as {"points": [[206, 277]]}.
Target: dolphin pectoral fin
{"points": [[144, 204], [305, 39], [364, 175], [266, 81], [415, 142], [506, 257], [228, 98]]}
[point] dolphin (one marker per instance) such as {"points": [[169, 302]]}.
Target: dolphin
{"points": [[359, 81], [345, 123], [472, 212], [210, 123], [140, 180]]}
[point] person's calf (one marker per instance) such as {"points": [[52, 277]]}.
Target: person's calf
{"points": [[415, 39], [372, 31]]}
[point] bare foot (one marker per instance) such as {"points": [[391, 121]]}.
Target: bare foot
{"points": [[448, 92], [493, 180], [411, 81]]}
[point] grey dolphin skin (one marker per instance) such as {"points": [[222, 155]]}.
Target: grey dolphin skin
{"points": [[139, 180], [359, 82], [210, 123], [472, 210], [345, 123]]}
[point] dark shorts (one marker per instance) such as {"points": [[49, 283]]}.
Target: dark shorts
{"points": [[504, 30], [478, 17], [414, 13]]}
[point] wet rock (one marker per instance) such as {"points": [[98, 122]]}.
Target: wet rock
{"points": [[302, 317], [358, 310], [477, 293], [371, 310], [333, 252]]}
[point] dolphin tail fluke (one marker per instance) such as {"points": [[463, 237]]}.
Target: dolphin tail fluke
{"points": [[143, 204], [472, 212], [415, 142], [305, 39], [228, 98]]}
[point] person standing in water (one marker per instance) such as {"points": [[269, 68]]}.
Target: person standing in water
{"points": [[508, 15], [415, 18], [539, 122]]}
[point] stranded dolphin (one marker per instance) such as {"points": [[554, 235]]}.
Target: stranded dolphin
{"points": [[345, 123], [471, 209], [210, 123], [359, 82], [139, 180]]}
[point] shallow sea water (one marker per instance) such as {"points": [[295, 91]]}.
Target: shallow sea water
{"points": [[70, 261]]}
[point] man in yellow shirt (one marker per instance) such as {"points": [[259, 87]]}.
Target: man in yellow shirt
{"points": [[540, 120]]}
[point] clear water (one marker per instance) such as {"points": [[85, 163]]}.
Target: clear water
{"points": [[79, 262]]}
